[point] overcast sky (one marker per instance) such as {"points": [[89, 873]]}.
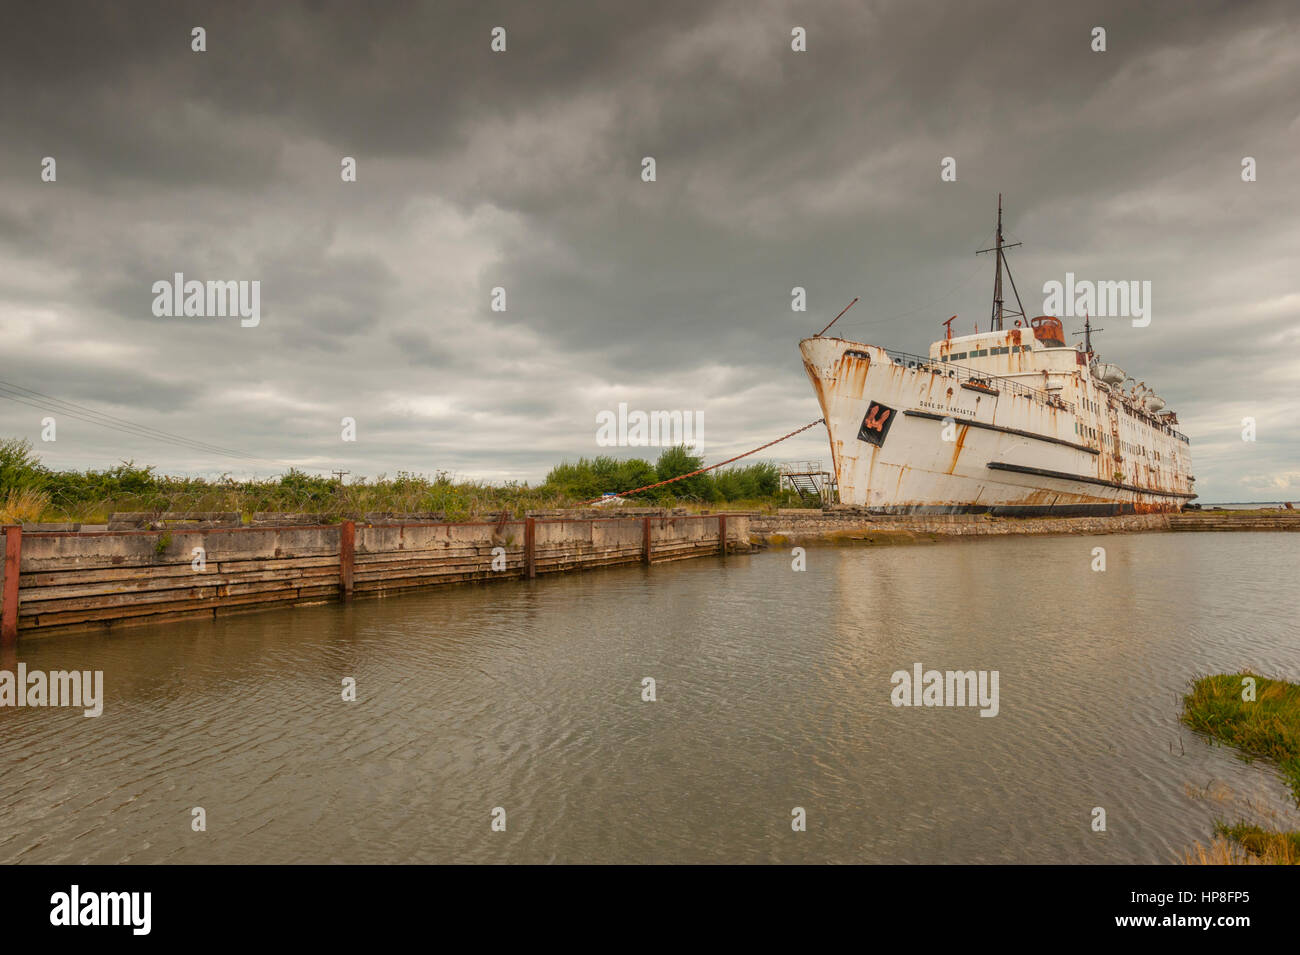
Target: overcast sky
{"points": [[522, 169]]}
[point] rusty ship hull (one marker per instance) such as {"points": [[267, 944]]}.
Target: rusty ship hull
{"points": [[1006, 422]]}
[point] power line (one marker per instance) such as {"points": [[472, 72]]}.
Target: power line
{"points": [[942, 297], [21, 395], [72, 408], [96, 418]]}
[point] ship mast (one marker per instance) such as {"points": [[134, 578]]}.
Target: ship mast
{"points": [[1087, 333], [999, 263]]}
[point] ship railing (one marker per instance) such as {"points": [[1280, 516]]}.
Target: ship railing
{"points": [[801, 467], [962, 373], [1135, 410]]}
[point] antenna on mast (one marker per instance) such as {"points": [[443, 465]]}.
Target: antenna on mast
{"points": [[1086, 332], [1000, 262]]}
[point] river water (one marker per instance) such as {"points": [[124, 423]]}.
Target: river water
{"points": [[773, 692]]}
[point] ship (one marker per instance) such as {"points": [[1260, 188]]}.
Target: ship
{"points": [[1008, 421]]}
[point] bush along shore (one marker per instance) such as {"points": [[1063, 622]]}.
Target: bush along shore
{"points": [[1261, 718], [31, 493]]}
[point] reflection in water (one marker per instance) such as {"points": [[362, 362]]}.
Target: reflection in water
{"points": [[773, 692]]}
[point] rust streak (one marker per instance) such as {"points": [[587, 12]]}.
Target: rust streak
{"points": [[960, 443]]}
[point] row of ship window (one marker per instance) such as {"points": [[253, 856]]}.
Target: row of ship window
{"points": [[1019, 348], [1087, 432], [1092, 405], [1004, 350]]}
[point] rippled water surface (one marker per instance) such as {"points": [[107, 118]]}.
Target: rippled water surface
{"points": [[773, 692]]}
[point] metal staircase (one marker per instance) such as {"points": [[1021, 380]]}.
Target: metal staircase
{"points": [[809, 480]]}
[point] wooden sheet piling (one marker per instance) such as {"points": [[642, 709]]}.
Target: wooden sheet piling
{"points": [[9, 599], [77, 580], [347, 549], [530, 546]]}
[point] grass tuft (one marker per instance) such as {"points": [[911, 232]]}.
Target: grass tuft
{"points": [[1265, 727], [23, 506]]}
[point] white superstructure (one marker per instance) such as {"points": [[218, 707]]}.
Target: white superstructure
{"points": [[1008, 421]]}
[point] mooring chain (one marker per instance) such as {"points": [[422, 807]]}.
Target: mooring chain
{"points": [[682, 477]]}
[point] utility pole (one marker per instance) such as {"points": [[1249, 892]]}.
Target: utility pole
{"points": [[339, 475]]}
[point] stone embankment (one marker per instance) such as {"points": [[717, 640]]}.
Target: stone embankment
{"points": [[837, 526]]}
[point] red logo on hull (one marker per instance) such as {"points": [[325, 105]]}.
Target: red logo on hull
{"points": [[876, 424]]}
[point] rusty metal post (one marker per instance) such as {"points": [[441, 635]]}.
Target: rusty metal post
{"points": [[530, 546], [722, 534], [645, 540], [347, 549], [9, 601]]}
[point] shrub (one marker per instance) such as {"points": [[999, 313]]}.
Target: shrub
{"points": [[20, 469]]}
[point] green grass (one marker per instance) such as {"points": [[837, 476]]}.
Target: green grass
{"points": [[29, 492], [1281, 847], [1266, 727]]}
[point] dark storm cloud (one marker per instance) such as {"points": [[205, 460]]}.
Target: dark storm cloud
{"points": [[522, 170]]}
